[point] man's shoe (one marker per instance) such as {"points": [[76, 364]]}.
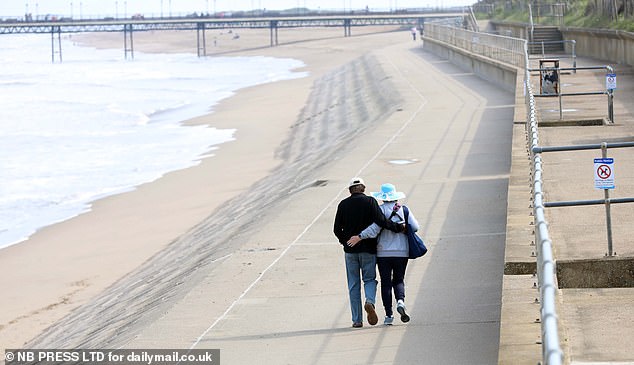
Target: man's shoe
{"points": [[372, 317], [400, 308], [357, 325], [388, 320]]}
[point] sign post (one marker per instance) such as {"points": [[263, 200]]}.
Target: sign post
{"points": [[610, 86], [604, 179], [604, 173], [610, 81]]}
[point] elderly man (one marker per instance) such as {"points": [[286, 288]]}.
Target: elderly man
{"points": [[354, 214]]}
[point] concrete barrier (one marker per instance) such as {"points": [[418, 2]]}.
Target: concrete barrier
{"points": [[489, 69], [615, 46]]}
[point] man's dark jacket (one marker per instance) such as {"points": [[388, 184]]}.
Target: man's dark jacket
{"points": [[354, 214]]}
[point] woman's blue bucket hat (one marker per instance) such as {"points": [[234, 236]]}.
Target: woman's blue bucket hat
{"points": [[388, 193]]}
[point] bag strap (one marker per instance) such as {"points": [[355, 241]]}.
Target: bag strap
{"points": [[406, 214], [389, 218]]}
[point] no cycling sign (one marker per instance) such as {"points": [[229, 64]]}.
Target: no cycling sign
{"points": [[604, 173]]}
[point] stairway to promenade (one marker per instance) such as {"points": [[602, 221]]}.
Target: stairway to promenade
{"points": [[546, 39]]}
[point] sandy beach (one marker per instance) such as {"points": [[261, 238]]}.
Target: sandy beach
{"points": [[196, 215]]}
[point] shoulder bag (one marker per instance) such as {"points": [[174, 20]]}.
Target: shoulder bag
{"points": [[416, 245]]}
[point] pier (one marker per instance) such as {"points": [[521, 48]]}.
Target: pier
{"points": [[202, 23]]}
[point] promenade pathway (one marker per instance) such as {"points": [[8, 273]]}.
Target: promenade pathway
{"points": [[456, 147], [287, 303], [281, 296]]}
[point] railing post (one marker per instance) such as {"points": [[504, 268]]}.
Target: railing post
{"points": [[610, 70], [611, 105], [559, 91], [574, 56], [606, 193]]}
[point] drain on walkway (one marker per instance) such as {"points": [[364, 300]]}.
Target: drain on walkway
{"points": [[403, 162]]}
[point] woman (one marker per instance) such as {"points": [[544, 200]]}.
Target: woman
{"points": [[392, 251]]}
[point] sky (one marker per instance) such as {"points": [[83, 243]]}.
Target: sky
{"points": [[123, 8]]}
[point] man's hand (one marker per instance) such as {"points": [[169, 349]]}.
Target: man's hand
{"points": [[353, 241]]}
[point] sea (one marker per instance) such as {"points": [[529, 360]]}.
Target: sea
{"points": [[97, 124]]}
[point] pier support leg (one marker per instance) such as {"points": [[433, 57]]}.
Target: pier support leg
{"points": [[202, 46], [59, 43], [128, 48], [273, 32], [347, 28]]}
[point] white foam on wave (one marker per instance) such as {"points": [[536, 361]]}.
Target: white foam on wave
{"points": [[97, 125]]}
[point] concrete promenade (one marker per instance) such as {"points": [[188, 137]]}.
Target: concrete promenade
{"points": [[288, 302], [277, 294], [456, 145]]}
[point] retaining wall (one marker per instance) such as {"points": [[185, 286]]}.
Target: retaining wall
{"points": [[486, 68], [614, 46]]}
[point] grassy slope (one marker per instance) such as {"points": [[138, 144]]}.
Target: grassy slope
{"points": [[579, 14]]}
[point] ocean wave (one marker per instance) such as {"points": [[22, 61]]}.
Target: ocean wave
{"points": [[91, 127]]}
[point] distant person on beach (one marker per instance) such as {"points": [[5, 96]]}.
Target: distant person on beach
{"points": [[354, 214], [392, 251]]}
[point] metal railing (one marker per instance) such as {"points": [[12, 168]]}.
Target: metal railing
{"points": [[549, 13], [504, 49], [542, 46], [607, 201], [560, 94], [551, 349], [531, 23], [515, 52], [473, 20]]}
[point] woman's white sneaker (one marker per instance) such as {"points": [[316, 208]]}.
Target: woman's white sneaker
{"points": [[400, 308]]}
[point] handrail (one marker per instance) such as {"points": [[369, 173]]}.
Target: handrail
{"points": [[607, 201], [573, 52], [505, 49], [559, 94], [530, 21], [474, 21], [551, 350]]}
